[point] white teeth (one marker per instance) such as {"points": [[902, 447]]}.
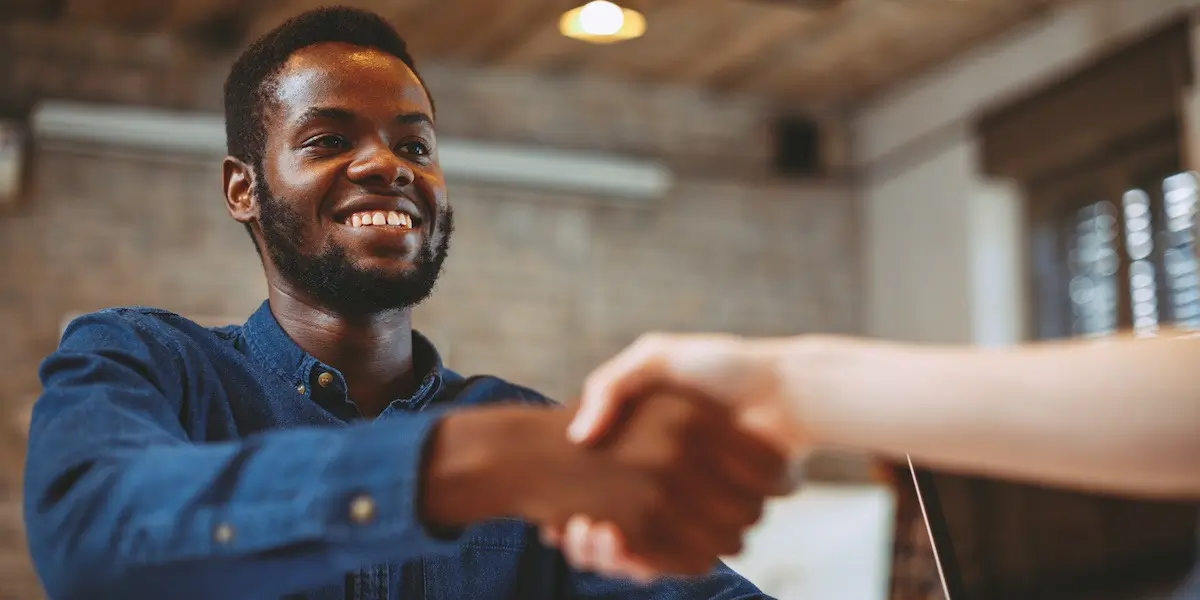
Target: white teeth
{"points": [[375, 218]]}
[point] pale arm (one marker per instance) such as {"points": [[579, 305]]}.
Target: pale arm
{"points": [[1119, 415]]}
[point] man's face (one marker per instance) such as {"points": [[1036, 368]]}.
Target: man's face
{"points": [[352, 201]]}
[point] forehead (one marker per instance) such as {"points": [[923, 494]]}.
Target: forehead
{"points": [[363, 80]]}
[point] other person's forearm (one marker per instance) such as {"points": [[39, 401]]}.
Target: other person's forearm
{"points": [[1120, 414]]}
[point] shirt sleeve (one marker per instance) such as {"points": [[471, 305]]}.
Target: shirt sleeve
{"points": [[120, 503], [722, 583]]}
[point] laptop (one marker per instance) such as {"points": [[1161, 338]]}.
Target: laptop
{"points": [[949, 572]]}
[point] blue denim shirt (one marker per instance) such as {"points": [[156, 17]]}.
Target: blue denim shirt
{"points": [[169, 460]]}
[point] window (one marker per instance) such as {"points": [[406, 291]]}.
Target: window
{"points": [[1151, 233], [1114, 247], [1098, 156]]}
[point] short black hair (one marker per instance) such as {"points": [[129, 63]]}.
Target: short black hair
{"points": [[252, 78]]}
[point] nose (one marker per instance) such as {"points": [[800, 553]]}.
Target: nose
{"points": [[378, 165]]}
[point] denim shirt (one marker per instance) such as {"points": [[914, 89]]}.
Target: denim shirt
{"points": [[170, 460]]}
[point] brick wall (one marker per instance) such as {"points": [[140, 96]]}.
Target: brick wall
{"points": [[539, 287]]}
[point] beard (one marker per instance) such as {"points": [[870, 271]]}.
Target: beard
{"points": [[332, 279]]}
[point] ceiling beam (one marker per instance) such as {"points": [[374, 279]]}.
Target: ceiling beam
{"points": [[784, 55], [45, 10]]}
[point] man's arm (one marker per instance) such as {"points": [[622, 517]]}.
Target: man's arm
{"points": [[119, 503]]}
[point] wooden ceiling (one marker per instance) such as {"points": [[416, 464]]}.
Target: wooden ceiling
{"points": [[802, 52]]}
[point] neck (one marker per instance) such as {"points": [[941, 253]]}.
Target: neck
{"points": [[374, 352]]}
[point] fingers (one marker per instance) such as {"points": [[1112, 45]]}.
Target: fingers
{"points": [[743, 461], [551, 536], [613, 384], [580, 546], [603, 547]]}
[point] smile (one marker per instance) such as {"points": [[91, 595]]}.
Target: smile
{"points": [[380, 218]]}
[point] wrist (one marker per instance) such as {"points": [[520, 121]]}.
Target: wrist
{"points": [[494, 462], [458, 484], [805, 369]]}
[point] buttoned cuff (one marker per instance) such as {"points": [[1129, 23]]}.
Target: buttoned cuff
{"points": [[379, 499]]}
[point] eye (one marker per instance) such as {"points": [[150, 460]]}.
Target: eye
{"points": [[328, 141], [415, 148]]}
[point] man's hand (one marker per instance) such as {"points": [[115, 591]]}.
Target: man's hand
{"points": [[681, 482]]}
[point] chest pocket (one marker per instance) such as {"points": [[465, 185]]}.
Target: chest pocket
{"points": [[501, 560]]}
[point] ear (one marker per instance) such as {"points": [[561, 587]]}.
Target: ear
{"points": [[238, 180]]}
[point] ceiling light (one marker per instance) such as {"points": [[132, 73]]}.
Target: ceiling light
{"points": [[602, 22]]}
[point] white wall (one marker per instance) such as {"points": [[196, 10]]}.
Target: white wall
{"points": [[944, 260]]}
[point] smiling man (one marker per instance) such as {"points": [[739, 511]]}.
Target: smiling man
{"points": [[322, 450]]}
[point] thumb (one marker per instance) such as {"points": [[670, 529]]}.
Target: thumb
{"points": [[596, 414], [612, 385]]}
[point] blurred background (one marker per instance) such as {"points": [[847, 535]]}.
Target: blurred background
{"points": [[974, 171]]}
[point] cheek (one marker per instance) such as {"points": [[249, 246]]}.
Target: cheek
{"points": [[432, 185], [304, 184]]}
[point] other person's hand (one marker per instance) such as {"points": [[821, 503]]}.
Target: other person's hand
{"points": [[744, 375]]}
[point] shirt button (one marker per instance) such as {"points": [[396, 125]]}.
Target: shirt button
{"points": [[325, 379], [300, 388], [223, 534], [362, 510]]}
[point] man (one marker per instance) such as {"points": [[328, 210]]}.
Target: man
{"points": [[322, 450]]}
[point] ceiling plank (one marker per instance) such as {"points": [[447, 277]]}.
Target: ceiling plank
{"points": [[542, 46], [510, 20], [404, 14], [446, 24], [1003, 17], [540, 23], [122, 14], [671, 29], [853, 44], [829, 23], [723, 22], [757, 32], [12, 10], [181, 15]]}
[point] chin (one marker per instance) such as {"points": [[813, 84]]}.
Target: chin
{"points": [[389, 268]]}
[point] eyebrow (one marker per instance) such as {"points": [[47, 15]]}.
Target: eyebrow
{"points": [[341, 115]]}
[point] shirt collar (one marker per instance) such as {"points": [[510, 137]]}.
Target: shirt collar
{"points": [[271, 346]]}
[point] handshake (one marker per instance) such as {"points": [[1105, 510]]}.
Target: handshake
{"points": [[657, 472]]}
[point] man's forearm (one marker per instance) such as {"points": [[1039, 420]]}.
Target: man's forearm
{"points": [[1116, 414], [463, 479], [500, 461]]}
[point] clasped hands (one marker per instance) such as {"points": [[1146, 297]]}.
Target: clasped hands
{"points": [[710, 410]]}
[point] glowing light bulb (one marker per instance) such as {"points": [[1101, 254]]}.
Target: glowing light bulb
{"points": [[601, 17]]}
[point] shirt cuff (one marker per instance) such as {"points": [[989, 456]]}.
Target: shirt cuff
{"points": [[380, 497]]}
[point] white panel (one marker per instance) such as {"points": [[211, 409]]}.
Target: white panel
{"points": [[998, 265], [915, 236], [832, 542], [465, 160]]}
